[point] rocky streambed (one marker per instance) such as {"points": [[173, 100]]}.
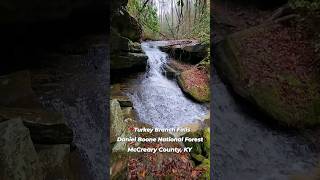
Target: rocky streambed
{"points": [[154, 99]]}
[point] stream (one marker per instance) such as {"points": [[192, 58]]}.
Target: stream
{"points": [[246, 148], [159, 101]]}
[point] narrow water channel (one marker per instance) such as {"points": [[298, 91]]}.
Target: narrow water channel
{"points": [[159, 101]]}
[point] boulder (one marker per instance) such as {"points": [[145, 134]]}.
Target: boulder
{"points": [[18, 157], [119, 165], [128, 62], [117, 92], [170, 72], [45, 127], [124, 101], [16, 91], [195, 82], [54, 161], [119, 43], [123, 44], [200, 151], [135, 47], [186, 51], [126, 25], [269, 75], [118, 126]]}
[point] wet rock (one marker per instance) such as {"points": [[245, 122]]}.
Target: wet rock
{"points": [[54, 161], [186, 51], [126, 25], [124, 101], [18, 158], [195, 82], [135, 47], [119, 43], [128, 61], [16, 91], [170, 72], [118, 126], [45, 127]]}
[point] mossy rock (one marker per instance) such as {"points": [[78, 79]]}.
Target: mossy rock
{"points": [[284, 96], [126, 25], [196, 147], [206, 144], [198, 157], [195, 83], [118, 126], [206, 166], [119, 165]]}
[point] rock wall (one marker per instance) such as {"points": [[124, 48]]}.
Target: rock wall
{"points": [[53, 89], [126, 53]]}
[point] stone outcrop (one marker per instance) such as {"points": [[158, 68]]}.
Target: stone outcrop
{"points": [[126, 55], [186, 50], [269, 75], [131, 30], [195, 82], [24, 126], [18, 157], [128, 62], [201, 151], [118, 126], [45, 127]]}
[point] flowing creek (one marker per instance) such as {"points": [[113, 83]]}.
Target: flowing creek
{"points": [[159, 101]]}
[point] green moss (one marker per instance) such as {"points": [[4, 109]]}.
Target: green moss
{"points": [[196, 147], [268, 99], [206, 166], [206, 145], [199, 93], [197, 157]]}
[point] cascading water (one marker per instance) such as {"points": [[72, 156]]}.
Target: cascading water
{"points": [[158, 100]]}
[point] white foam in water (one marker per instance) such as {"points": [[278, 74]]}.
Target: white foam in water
{"points": [[158, 100]]}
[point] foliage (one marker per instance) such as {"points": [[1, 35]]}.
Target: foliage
{"points": [[147, 16], [201, 29]]}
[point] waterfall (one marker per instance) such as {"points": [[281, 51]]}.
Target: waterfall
{"points": [[159, 101]]}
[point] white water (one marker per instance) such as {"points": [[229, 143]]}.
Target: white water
{"points": [[158, 100]]}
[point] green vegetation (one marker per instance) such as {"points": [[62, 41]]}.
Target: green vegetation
{"points": [[201, 29], [145, 14]]}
